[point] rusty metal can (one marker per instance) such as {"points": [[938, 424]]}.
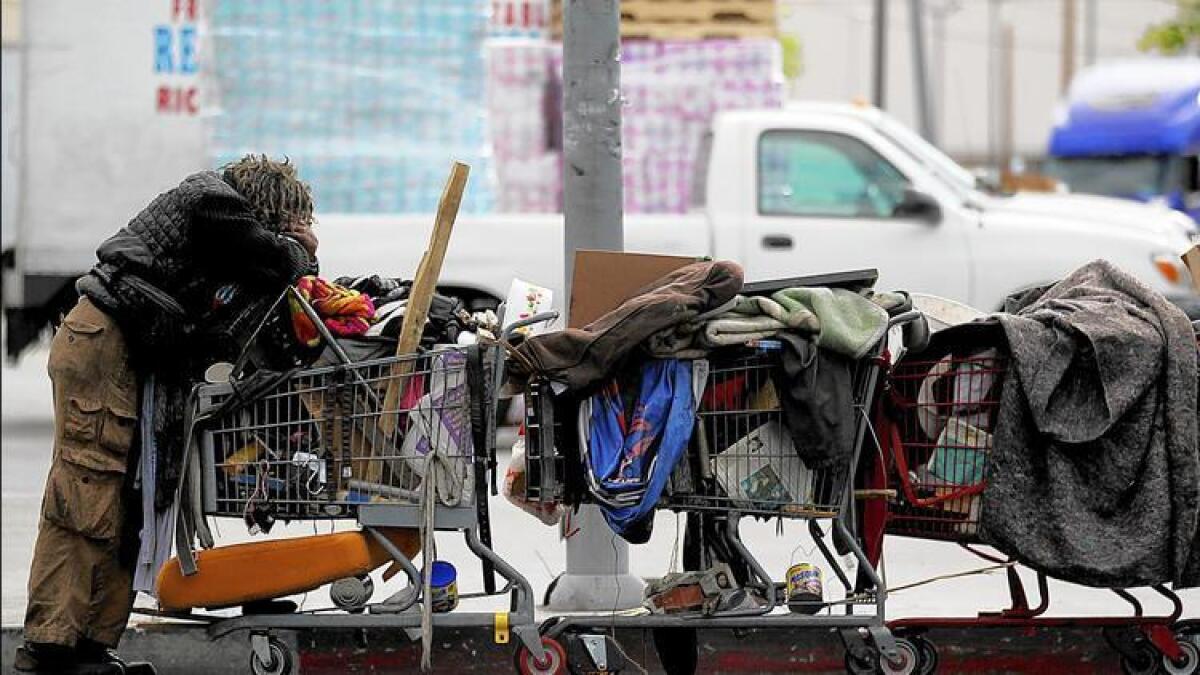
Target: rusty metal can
{"points": [[805, 593]]}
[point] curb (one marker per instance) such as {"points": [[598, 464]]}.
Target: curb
{"points": [[179, 649]]}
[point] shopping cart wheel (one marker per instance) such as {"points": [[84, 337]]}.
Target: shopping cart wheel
{"points": [[555, 662], [927, 651], [280, 662], [860, 666], [1189, 664], [907, 660], [1144, 662]]}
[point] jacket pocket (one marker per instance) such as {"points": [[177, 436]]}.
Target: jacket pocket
{"points": [[79, 327], [97, 437], [116, 434], [83, 418], [83, 501]]}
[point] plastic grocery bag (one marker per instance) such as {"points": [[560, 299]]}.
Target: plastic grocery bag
{"points": [[514, 488]]}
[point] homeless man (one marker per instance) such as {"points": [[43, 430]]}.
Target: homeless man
{"points": [[145, 311]]}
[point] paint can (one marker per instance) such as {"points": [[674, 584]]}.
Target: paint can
{"points": [[443, 586], [804, 589]]}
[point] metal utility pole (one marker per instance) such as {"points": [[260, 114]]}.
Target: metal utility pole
{"points": [[879, 83], [916, 19], [1068, 45], [1089, 31], [1007, 133], [993, 79], [597, 575]]}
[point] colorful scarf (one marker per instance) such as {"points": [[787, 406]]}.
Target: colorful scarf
{"points": [[344, 312]]}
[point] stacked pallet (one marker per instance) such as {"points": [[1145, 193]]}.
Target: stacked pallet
{"points": [[368, 98], [687, 19]]}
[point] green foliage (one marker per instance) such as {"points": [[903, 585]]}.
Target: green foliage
{"points": [[1176, 36], [793, 56]]}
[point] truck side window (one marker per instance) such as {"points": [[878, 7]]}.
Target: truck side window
{"points": [[817, 173]]}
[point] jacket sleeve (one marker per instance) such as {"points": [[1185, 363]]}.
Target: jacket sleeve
{"points": [[230, 239]]}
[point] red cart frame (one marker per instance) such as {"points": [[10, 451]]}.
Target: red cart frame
{"points": [[933, 425]]}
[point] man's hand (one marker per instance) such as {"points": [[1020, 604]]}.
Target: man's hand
{"points": [[305, 235]]}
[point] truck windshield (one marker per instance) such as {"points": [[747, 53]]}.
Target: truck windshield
{"points": [[1130, 176], [927, 154]]}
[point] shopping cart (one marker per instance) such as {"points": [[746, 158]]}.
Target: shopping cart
{"points": [[934, 424], [740, 462], [322, 443]]}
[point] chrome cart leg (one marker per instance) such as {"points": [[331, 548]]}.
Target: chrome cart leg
{"points": [[882, 637], [406, 597], [531, 639], [260, 645], [866, 567], [522, 614], [736, 541]]}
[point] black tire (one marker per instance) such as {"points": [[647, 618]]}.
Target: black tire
{"points": [[928, 663], [857, 666], [281, 660], [1146, 661]]}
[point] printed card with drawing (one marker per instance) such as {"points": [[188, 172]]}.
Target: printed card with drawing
{"points": [[762, 469]]}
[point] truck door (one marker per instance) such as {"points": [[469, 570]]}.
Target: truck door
{"points": [[827, 202]]}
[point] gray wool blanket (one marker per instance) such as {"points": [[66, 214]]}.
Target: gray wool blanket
{"points": [[1094, 475]]}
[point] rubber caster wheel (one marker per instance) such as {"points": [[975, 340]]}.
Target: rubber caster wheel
{"points": [[906, 661], [280, 661], [554, 663], [858, 666], [927, 664], [1145, 662], [1189, 664]]}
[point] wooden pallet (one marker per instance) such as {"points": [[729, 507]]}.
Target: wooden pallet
{"points": [[695, 31], [687, 19], [698, 11]]}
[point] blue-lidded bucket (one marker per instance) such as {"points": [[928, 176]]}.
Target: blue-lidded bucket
{"points": [[443, 586]]}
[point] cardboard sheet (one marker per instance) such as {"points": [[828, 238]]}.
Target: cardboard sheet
{"points": [[605, 279], [1192, 260]]}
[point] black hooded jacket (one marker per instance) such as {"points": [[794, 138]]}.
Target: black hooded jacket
{"points": [[158, 276]]}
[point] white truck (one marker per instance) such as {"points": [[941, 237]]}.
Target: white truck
{"points": [[815, 188], [106, 121]]}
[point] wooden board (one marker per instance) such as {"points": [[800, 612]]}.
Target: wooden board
{"points": [[419, 299]]}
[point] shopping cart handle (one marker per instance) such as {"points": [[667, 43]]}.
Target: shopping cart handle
{"points": [[512, 328], [916, 329]]}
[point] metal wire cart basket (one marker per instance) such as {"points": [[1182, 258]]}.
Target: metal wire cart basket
{"points": [[398, 442], [741, 460], [935, 422]]}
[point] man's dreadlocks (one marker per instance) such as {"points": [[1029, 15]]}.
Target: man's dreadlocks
{"points": [[279, 198]]}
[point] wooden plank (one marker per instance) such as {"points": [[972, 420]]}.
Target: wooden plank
{"points": [[688, 19], [696, 11], [417, 310], [704, 31]]}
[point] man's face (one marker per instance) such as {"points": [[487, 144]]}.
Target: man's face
{"points": [[302, 231]]}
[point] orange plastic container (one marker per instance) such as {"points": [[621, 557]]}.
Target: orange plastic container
{"points": [[233, 575]]}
